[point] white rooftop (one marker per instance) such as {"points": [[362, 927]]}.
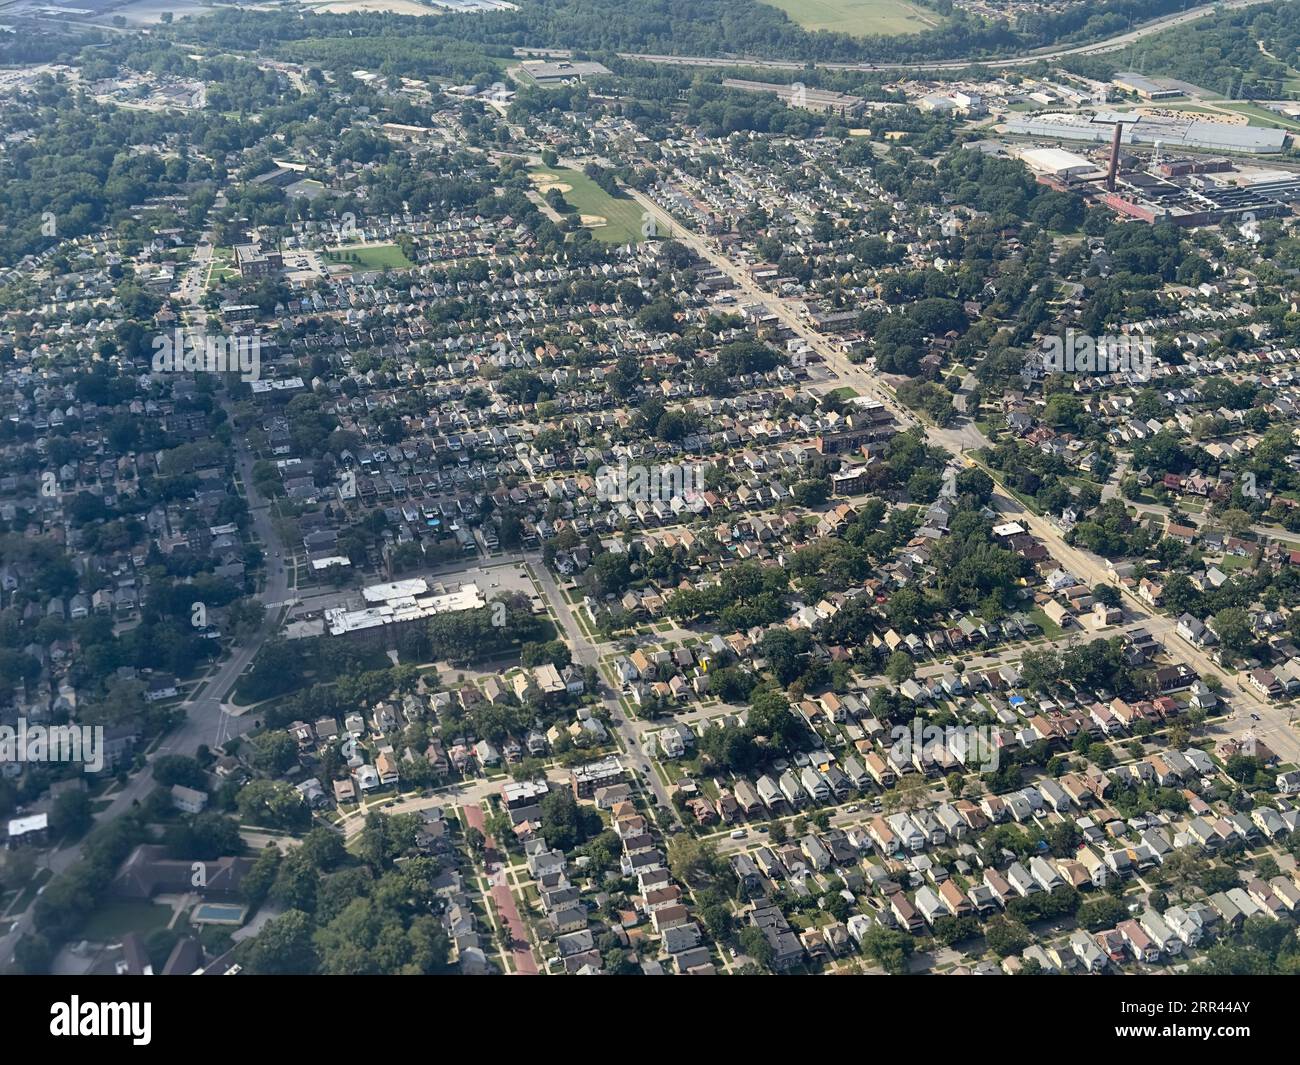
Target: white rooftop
{"points": [[20, 826], [381, 593], [401, 601]]}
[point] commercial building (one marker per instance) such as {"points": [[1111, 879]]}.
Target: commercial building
{"points": [[563, 71], [1173, 134], [796, 95], [1057, 162], [1146, 88], [590, 778], [252, 262], [389, 607], [31, 831]]}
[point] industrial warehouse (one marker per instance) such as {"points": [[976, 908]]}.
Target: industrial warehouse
{"points": [[1154, 187], [1151, 131]]}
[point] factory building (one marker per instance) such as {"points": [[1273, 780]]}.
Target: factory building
{"points": [[810, 99], [1057, 163], [1144, 87], [1173, 134]]}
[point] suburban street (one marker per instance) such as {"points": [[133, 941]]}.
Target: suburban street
{"points": [[1273, 727], [587, 653], [507, 907], [210, 719]]}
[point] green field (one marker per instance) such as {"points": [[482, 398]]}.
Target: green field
{"points": [[622, 215], [860, 17], [222, 268], [370, 257], [1262, 116]]}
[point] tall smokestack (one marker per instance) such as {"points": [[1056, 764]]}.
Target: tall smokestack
{"points": [[1113, 169]]}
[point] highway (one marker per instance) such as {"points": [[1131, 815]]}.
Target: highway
{"points": [[1108, 44]]}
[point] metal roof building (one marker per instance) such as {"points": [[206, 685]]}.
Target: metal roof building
{"points": [[1173, 134]]}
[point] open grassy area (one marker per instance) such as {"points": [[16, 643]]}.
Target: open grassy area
{"points": [[223, 267], [370, 257], [114, 919], [1050, 628], [615, 220], [1262, 116], [860, 17]]}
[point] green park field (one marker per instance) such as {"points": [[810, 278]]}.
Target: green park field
{"points": [[860, 17], [615, 220]]}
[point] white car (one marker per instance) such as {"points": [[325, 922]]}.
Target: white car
{"points": [[739, 833]]}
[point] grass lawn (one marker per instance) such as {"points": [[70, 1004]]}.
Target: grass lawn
{"points": [[370, 257], [115, 919], [621, 215], [1050, 628], [222, 267], [860, 17], [1262, 116]]}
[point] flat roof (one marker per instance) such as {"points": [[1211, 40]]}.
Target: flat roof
{"points": [[20, 826], [1139, 81], [379, 593], [563, 68], [408, 605], [1170, 133], [1055, 159]]}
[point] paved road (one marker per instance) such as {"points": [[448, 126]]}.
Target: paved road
{"points": [[587, 653], [525, 964], [1273, 727], [1109, 44], [209, 720]]}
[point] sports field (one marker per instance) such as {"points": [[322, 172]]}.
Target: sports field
{"points": [[860, 17], [369, 256], [615, 220]]}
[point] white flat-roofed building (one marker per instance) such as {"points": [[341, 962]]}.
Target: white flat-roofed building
{"points": [[383, 593], [562, 71], [1146, 88], [276, 384], [1057, 162], [398, 602], [33, 829]]}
